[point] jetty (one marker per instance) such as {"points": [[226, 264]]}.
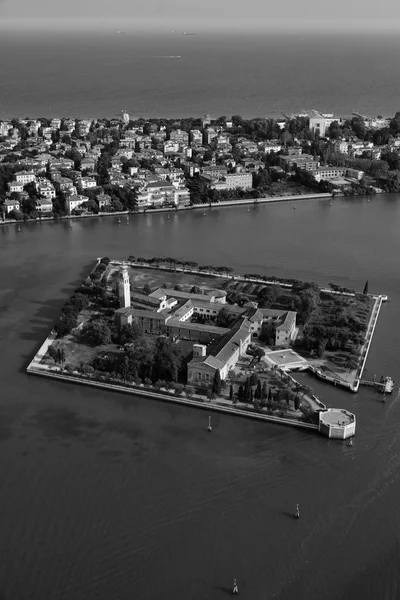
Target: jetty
{"points": [[386, 386]]}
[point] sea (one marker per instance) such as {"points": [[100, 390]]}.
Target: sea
{"points": [[105, 495], [249, 73]]}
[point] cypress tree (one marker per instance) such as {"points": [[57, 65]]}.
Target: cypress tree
{"points": [[264, 391], [365, 292], [231, 392], [258, 392], [217, 383], [247, 388], [240, 392]]}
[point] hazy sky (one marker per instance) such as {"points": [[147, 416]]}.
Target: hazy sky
{"points": [[203, 13]]}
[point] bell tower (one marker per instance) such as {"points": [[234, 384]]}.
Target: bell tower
{"points": [[124, 289]]}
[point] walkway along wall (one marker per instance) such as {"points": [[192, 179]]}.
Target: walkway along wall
{"points": [[137, 391]]}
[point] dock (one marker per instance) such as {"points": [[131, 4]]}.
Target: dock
{"points": [[386, 386]]}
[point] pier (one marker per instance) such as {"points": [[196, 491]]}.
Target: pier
{"points": [[386, 386]]}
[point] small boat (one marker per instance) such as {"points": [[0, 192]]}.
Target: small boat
{"points": [[330, 203], [297, 513], [204, 214], [71, 224], [19, 228], [294, 207], [248, 210], [350, 442], [119, 220], [209, 428]]}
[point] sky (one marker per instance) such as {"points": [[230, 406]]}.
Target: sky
{"points": [[198, 14]]}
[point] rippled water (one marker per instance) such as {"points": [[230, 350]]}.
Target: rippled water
{"points": [[105, 496]]}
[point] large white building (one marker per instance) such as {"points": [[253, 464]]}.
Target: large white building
{"points": [[320, 122]]}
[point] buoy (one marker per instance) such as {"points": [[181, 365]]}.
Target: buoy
{"points": [[235, 587], [209, 428], [297, 513]]}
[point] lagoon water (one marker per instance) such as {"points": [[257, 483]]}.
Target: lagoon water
{"points": [[107, 496]]}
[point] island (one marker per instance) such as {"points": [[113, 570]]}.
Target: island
{"points": [[204, 336]]}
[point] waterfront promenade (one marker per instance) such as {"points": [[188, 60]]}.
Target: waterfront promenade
{"points": [[223, 204]]}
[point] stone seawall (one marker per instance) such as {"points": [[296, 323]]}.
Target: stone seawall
{"points": [[34, 369]]}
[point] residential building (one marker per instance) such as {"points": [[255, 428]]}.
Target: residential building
{"points": [[88, 164], [86, 183], [45, 188], [341, 146], [104, 201], [25, 177], [74, 202], [44, 205], [55, 123], [15, 186], [11, 205], [196, 137], [177, 135]]}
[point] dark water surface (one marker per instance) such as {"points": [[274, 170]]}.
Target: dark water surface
{"points": [[105, 496], [252, 74]]}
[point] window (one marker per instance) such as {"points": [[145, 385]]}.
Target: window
{"points": [[198, 376], [207, 377]]}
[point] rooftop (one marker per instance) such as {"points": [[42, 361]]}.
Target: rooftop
{"points": [[337, 417]]}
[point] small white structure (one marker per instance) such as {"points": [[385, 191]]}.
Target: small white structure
{"points": [[124, 289], [337, 423]]}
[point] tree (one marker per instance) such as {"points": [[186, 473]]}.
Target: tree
{"points": [[253, 379], [258, 392], [231, 392], [247, 388], [167, 360], [97, 332], [66, 324], [147, 289], [365, 292], [224, 318], [259, 353], [240, 393], [264, 391], [216, 388], [178, 288]]}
